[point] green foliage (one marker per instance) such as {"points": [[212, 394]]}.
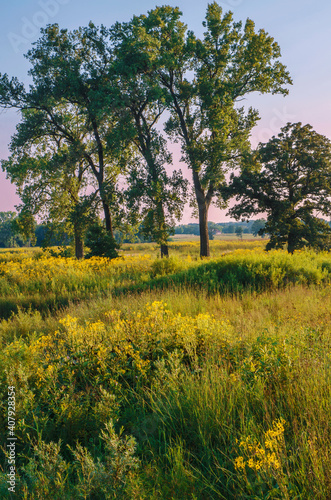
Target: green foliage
{"points": [[258, 227], [289, 178], [101, 243], [162, 267], [49, 172], [240, 377], [241, 271], [67, 138], [25, 225], [48, 475], [85, 124], [133, 398], [239, 231], [154, 198], [48, 235], [9, 236], [228, 62]]}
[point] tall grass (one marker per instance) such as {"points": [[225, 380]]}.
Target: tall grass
{"points": [[174, 393]]}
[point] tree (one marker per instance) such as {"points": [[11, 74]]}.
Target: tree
{"points": [[289, 178], [239, 231], [212, 229], [50, 174], [48, 235], [229, 229], [25, 225], [70, 70], [258, 227], [152, 193], [228, 63], [8, 233], [100, 242]]}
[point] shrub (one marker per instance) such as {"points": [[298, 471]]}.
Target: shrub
{"points": [[101, 243]]}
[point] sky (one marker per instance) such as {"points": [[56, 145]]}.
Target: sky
{"points": [[300, 27]]}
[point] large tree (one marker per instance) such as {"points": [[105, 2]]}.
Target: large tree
{"points": [[51, 175], [289, 179], [153, 195], [205, 79], [70, 70]]}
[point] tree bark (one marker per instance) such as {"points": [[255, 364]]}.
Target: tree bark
{"points": [[291, 240], [203, 226], [108, 221], [164, 251], [79, 246]]}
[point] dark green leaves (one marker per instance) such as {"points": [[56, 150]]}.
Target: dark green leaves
{"points": [[289, 178]]}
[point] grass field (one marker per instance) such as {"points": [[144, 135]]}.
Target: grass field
{"points": [[142, 378], [217, 237]]}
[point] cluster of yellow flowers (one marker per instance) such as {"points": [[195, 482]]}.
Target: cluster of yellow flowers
{"points": [[124, 345], [47, 273], [157, 324], [263, 456]]}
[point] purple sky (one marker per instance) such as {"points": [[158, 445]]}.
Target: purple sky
{"points": [[302, 29]]}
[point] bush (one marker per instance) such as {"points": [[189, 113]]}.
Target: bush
{"points": [[101, 243], [162, 267]]}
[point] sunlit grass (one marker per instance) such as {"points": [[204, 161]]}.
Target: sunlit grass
{"points": [[220, 395]]}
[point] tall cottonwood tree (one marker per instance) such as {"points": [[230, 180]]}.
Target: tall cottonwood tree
{"points": [[50, 173], [205, 79], [70, 69], [152, 192]]}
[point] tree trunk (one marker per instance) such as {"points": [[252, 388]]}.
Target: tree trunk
{"points": [[164, 251], [203, 226], [291, 240], [108, 221], [79, 246]]}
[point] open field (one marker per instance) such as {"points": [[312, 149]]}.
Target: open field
{"points": [[142, 378], [217, 237]]}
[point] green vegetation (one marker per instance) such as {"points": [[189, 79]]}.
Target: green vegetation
{"points": [[89, 120], [169, 378], [289, 178], [140, 378], [8, 236], [89, 137]]}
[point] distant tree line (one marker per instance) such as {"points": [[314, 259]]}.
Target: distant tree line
{"points": [[44, 235], [12, 235], [90, 156], [47, 235], [248, 227]]}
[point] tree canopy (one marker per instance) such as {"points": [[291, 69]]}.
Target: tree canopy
{"points": [[104, 102], [50, 174], [289, 179], [204, 80], [153, 196], [70, 79]]}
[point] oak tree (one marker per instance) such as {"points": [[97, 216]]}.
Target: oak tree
{"points": [[289, 179]]}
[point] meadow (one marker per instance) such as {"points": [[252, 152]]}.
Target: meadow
{"points": [[142, 378]]}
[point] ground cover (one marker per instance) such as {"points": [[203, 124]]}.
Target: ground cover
{"points": [[43, 282], [171, 392]]}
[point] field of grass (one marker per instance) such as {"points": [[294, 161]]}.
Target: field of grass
{"points": [[218, 237], [142, 378]]}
